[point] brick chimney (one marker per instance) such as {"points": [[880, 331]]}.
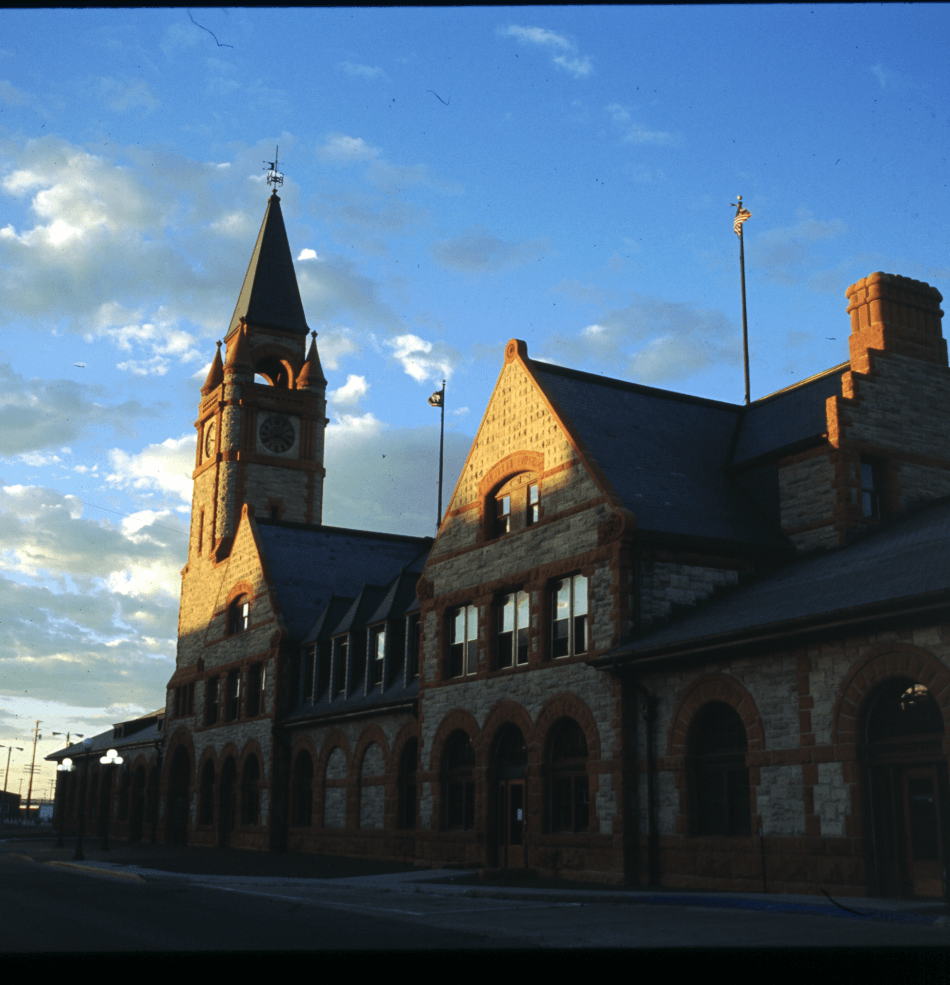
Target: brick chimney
{"points": [[890, 313]]}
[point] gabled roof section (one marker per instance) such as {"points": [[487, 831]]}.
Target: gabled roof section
{"points": [[366, 603], [400, 596], [311, 565], [665, 454], [270, 296], [789, 419], [897, 568], [329, 618]]}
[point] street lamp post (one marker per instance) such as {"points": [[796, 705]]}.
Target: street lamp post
{"points": [[78, 854], [111, 758], [66, 766]]}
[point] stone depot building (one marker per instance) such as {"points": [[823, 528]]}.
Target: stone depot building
{"points": [[657, 639]]}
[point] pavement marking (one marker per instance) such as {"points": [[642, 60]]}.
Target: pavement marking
{"points": [[387, 909], [93, 870]]}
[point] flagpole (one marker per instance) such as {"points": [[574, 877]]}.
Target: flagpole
{"points": [[741, 216], [438, 518]]}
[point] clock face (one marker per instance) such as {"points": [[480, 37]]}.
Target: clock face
{"points": [[277, 433], [209, 440]]}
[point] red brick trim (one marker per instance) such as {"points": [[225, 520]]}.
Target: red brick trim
{"points": [[881, 662]]}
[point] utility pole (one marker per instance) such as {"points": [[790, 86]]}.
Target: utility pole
{"points": [[29, 792]]}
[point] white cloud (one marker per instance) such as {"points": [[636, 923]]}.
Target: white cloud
{"points": [[636, 133], [563, 51], [341, 149], [351, 392], [421, 359], [307, 255], [363, 71], [334, 344], [127, 94], [164, 468]]}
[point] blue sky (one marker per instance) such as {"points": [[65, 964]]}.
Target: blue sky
{"points": [[453, 178]]}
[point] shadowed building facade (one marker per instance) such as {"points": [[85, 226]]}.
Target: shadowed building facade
{"points": [[657, 638]]}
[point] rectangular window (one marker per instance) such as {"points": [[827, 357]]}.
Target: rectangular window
{"points": [[502, 515], [323, 668], [569, 635], [870, 491], [211, 701], [309, 666], [233, 696], [255, 690], [378, 654], [514, 622], [533, 513], [341, 647], [463, 649], [413, 653]]}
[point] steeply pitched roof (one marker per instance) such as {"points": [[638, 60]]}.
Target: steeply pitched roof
{"points": [[898, 566], [310, 565], [787, 419], [665, 454], [270, 296]]}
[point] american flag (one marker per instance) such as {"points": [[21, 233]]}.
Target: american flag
{"points": [[741, 217]]}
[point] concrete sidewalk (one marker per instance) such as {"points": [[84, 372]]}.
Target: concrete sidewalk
{"points": [[223, 866]]}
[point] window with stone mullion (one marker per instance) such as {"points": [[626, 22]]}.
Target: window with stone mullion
{"points": [[513, 626], [463, 649], [570, 617]]}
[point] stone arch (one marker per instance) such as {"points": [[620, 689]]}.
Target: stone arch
{"points": [[504, 713], [713, 687], [567, 706], [371, 735], [876, 666], [333, 780], [454, 721], [275, 364]]}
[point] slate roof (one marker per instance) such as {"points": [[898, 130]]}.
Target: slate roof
{"points": [[664, 453], [147, 735], [270, 296], [788, 418], [310, 565], [899, 566]]}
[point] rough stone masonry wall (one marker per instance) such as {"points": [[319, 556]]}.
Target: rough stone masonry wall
{"points": [[902, 411], [663, 583], [516, 420], [807, 500]]}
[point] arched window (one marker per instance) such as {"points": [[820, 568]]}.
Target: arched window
{"points": [[239, 615], [514, 506], [570, 792], [206, 795], [250, 791], [720, 777], [302, 791], [459, 782]]}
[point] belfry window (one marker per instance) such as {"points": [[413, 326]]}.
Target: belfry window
{"points": [[569, 636]]}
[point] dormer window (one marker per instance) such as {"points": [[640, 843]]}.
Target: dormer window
{"points": [[870, 491], [239, 613], [516, 505]]}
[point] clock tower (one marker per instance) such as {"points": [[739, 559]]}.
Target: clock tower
{"points": [[262, 414]]}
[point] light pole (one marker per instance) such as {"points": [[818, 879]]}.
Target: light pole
{"points": [[66, 766], [9, 750], [111, 758], [78, 855]]}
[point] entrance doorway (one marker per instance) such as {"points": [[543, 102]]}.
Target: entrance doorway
{"points": [[907, 789], [511, 762]]}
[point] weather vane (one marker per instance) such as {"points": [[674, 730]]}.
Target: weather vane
{"points": [[274, 177]]}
